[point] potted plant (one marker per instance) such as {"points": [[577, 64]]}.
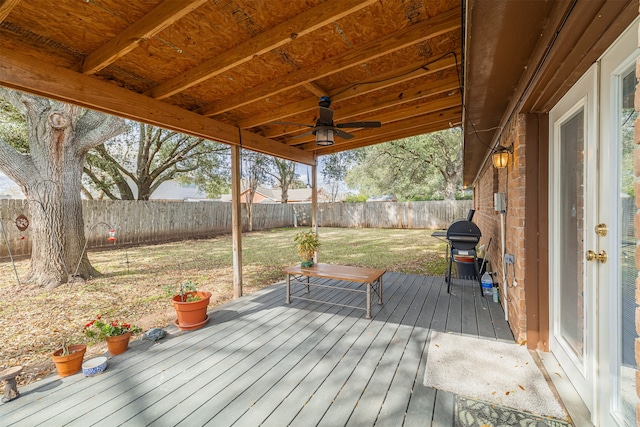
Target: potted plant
{"points": [[68, 359], [190, 305], [115, 333], [307, 243]]}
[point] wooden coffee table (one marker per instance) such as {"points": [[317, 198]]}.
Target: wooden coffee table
{"points": [[370, 277]]}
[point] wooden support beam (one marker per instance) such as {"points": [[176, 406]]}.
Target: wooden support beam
{"points": [[452, 115], [236, 221], [303, 24], [411, 71], [314, 89], [162, 16], [359, 143], [6, 6], [400, 114], [368, 108], [21, 72], [425, 30]]}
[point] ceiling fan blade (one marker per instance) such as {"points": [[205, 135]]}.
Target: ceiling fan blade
{"points": [[303, 134], [326, 115], [359, 125], [342, 134], [291, 123]]}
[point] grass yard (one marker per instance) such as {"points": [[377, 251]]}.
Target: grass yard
{"points": [[34, 322]]}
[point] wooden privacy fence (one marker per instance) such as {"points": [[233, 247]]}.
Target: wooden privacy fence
{"points": [[138, 222]]}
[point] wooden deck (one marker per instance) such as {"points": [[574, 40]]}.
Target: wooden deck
{"points": [[260, 361]]}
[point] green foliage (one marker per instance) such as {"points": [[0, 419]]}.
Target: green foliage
{"points": [[627, 178], [13, 127], [147, 156], [424, 167], [335, 167], [186, 290], [356, 198], [97, 329], [306, 242]]}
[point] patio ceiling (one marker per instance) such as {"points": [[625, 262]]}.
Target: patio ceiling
{"points": [[227, 69], [522, 57]]}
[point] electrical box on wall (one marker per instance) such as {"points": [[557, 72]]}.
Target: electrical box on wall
{"points": [[499, 202]]}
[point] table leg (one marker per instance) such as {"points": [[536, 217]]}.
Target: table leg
{"points": [[380, 291], [308, 281], [288, 300], [368, 300]]}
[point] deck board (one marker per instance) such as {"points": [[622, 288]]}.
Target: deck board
{"points": [[260, 361]]}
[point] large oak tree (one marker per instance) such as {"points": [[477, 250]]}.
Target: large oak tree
{"points": [[48, 169]]}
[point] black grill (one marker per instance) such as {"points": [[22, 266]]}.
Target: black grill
{"points": [[463, 236]]}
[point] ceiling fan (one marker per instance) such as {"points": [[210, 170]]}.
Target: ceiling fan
{"points": [[325, 130]]}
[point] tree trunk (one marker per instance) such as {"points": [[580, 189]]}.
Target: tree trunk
{"points": [[59, 137]]}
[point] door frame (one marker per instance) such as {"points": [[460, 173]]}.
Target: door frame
{"points": [[582, 96]]}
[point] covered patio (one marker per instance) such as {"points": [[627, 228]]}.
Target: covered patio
{"points": [[260, 361]]}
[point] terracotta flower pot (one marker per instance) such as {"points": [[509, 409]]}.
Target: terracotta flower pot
{"points": [[72, 362], [118, 344], [192, 315]]}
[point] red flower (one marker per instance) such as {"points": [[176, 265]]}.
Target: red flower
{"points": [[88, 325], [126, 325], [99, 317]]}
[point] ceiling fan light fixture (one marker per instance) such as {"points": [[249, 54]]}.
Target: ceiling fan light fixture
{"points": [[324, 136]]}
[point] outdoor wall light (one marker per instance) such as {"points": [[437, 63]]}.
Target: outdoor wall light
{"points": [[500, 157], [324, 136]]}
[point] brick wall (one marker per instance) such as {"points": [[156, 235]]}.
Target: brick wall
{"points": [[511, 181]]}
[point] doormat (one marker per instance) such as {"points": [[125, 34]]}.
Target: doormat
{"points": [[476, 413], [491, 371]]}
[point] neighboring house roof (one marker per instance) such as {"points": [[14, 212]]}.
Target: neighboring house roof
{"points": [[173, 190]]}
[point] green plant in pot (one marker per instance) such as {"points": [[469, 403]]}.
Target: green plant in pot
{"points": [[190, 305], [116, 333], [307, 243]]}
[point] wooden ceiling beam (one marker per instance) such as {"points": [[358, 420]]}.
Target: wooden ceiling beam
{"points": [[314, 89], [308, 21], [162, 16], [372, 105], [354, 144], [411, 71], [25, 73], [6, 6], [401, 114], [451, 115], [425, 30]]}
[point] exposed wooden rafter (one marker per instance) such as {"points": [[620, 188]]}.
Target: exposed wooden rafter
{"points": [[400, 114], [419, 32], [449, 115], [280, 35], [22, 72], [404, 74], [6, 6], [165, 14], [448, 85], [373, 140]]}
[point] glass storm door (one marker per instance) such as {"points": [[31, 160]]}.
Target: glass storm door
{"points": [[573, 201], [616, 278], [592, 236]]}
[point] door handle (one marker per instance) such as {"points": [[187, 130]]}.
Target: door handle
{"points": [[601, 230], [591, 256]]}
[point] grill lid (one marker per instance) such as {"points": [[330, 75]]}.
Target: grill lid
{"points": [[463, 234]]}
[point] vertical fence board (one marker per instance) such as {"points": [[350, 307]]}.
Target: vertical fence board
{"points": [[140, 222]]}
